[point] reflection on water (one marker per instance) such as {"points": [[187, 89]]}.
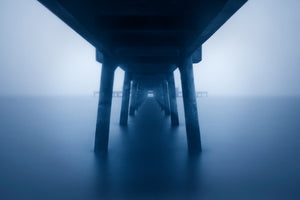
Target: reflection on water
{"points": [[145, 161], [250, 151]]}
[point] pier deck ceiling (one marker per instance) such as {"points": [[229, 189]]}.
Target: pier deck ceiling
{"points": [[145, 31]]}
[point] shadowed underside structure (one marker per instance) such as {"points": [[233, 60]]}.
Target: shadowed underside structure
{"points": [[148, 39]]}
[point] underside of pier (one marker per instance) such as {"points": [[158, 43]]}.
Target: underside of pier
{"points": [[148, 39]]}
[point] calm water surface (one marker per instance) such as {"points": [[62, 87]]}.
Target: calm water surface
{"points": [[251, 150]]}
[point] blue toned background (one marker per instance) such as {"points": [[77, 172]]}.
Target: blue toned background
{"points": [[255, 53], [249, 124]]}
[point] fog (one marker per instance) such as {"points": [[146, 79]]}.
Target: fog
{"points": [[254, 53]]}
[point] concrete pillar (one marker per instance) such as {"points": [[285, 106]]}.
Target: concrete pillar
{"points": [[141, 96], [145, 95], [159, 97], [155, 93], [166, 97], [138, 96], [133, 98], [125, 100], [173, 101], [190, 105], [104, 106]]}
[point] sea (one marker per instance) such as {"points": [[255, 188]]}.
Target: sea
{"points": [[251, 150]]}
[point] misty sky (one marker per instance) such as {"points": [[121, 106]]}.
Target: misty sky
{"points": [[255, 53]]}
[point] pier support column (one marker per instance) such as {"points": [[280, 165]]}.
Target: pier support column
{"points": [[173, 101], [104, 106], [155, 92], [159, 97], [125, 100], [190, 105], [166, 97], [133, 98], [138, 96]]}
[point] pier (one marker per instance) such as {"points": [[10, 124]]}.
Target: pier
{"points": [[148, 40], [150, 93]]}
